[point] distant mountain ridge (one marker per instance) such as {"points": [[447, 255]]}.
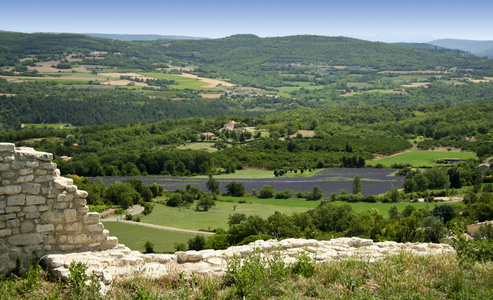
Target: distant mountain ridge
{"points": [[482, 48], [142, 37]]}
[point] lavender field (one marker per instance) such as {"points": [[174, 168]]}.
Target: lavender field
{"points": [[374, 181]]}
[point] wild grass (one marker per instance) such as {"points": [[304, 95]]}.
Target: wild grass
{"points": [[402, 276]]}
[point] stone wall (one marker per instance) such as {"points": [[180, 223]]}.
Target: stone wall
{"points": [[42, 212], [122, 262]]}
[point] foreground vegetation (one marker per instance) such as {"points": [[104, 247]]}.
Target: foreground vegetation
{"points": [[402, 276]]}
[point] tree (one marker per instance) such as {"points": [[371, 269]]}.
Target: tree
{"points": [[213, 185], [235, 189], [156, 190], [149, 247], [205, 202], [197, 243], [267, 191], [444, 212], [122, 194], [356, 185], [316, 194]]}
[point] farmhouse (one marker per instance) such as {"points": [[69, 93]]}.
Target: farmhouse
{"points": [[206, 135], [229, 126]]}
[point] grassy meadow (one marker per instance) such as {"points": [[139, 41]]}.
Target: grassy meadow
{"points": [[419, 158], [217, 217], [135, 236], [182, 82]]}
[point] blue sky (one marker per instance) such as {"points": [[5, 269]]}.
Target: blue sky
{"points": [[384, 20]]}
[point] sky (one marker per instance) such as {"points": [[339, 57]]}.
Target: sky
{"points": [[382, 20]]}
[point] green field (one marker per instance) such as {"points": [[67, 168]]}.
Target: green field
{"points": [[217, 217], [205, 146], [182, 82], [135, 236], [53, 126], [420, 158]]}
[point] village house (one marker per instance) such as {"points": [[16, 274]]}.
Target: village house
{"points": [[206, 136]]}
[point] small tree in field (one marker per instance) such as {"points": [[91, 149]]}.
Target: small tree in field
{"points": [[213, 185], [356, 185]]}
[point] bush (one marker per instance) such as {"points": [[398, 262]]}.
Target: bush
{"points": [[197, 243], [267, 191], [181, 247], [149, 247]]}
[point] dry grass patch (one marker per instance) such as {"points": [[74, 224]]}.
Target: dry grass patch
{"points": [[211, 96], [212, 83], [45, 67], [124, 82], [416, 84]]}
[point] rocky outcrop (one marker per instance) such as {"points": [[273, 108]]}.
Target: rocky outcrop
{"points": [[121, 261], [42, 212]]}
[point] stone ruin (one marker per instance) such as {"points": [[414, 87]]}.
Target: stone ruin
{"points": [[45, 214], [41, 212]]}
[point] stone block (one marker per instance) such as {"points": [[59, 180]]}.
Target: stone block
{"points": [[43, 178], [6, 182], [91, 218], [3, 203], [35, 200], [19, 199], [7, 147], [95, 227], [26, 227], [71, 188], [25, 239], [42, 208], [31, 155], [31, 188], [5, 232], [33, 215], [10, 190], [4, 166], [61, 205], [8, 174], [81, 194], [80, 238], [76, 226], [44, 227], [12, 209], [51, 216], [6, 217], [2, 225], [32, 164], [48, 166], [16, 165], [30, 209], [70, 215], [83, 209], [25, 171], [65, 197], [22, 179], [40, 172]]}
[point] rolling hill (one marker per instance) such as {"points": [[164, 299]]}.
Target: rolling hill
{"points": [[482, 48]]}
